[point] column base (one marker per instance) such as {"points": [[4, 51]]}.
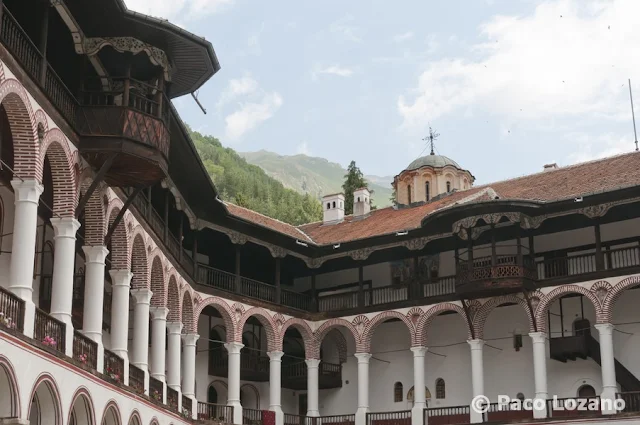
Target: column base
{"points": [[279, 414], [417, 414], [237, 412], [361, 415], [608, 401], [542, 413], [476, 417], [313, 413], [30, 318]]}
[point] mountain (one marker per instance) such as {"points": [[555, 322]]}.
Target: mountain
{"points": [[313, 175], [250, 187]]}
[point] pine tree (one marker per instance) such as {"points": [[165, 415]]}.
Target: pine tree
{"points": [[353, 180]]}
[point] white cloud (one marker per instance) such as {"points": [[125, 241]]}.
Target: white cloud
{"points": [[570, 58], [303, 149], [184, 9], [238, 87], [251, 114], [344, 30], [589, 147], [403, 37], [337, 70]]}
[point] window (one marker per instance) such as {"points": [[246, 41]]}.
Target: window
{"points": [[427, 195], [586, 391], [448, 186], [398, 392], [409, 194], [440, 388], [334, 204], [358, 199], [328, 205]]}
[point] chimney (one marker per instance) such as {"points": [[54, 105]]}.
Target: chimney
{"points": [[361, 202], [550, 167], [333, 208]]}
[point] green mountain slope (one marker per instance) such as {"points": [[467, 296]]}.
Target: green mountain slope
{"points": [[313, 175], [250, 187]]}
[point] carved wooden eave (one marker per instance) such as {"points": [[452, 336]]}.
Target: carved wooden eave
{"points": [[181, 204]]}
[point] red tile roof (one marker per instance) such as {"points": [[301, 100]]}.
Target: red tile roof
{"points": [[553, 185]]}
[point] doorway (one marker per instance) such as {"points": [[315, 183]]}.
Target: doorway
{"points": [[302, 404]]}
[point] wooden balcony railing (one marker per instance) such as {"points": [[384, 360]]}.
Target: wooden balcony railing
{"points": [[172, 399], [295, 300], [568, 407], [156, 389], [85, 350], [49, 331], [257, 417], [258, 290], [215, 412], [114, 366], [631, 401], [20, 45], [574, 265], [187, 406], [335, 420], [337, 302], [447, 415], [216, 278], [11, 311], [402, 417], [136, 378], [498, 412]]}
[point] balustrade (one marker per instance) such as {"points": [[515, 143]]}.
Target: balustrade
{"points": [[256, 417], [136, 378], [402, 417], [500, 412], [335, 420], [172, 399], [11, 311], [85, 350], [49, 331], [215, 412], [114, 366], [447, 415], [631, 400], [568, 407], [187, 406], [258, 290], [156, 389]]}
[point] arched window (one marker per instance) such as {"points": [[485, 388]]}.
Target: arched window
{"points": [[334, 204], [212, 395], [398, 392], [409, 194], [586, 391], [440, 388], [448, 186], [328, 205], [427, 194]]}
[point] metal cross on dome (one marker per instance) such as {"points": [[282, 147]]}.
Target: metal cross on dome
{"points": [[433, 135]]}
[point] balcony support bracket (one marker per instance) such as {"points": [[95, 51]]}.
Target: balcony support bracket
{"points": [[121, 213], [467, 314], [94, 184], [533, 316]]}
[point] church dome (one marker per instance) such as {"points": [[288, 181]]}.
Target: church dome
{"points": [[435, 161]]}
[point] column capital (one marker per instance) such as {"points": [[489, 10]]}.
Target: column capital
{"points": [[158, 313], [95, 254], [190, 339], [121, 277], [233, 347], [538, 337], [27, 190], [142, 295], [312, 363], [605, 327], [363, 357], [419, 351], [476, 344], [275, 355], [174, 328], [65, 227]]}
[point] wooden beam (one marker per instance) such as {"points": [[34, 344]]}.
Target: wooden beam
{"points": [[94, 184], [120, 215], [360, 286], [238, 278], [44, 35], [277, 278]]}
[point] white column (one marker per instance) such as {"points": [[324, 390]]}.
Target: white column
{"points": [[275, 368], [62, 283], [94, 297], [25, 227], [607, 364], [189, 343], [539, 340], [233, 392], [173, 355], [477, 374], [158, 341], [363, 388], [419, 398], [140, 355], [120, 284], [312, 387]]}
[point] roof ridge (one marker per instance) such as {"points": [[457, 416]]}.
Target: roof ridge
{"points": [[555, 170]]}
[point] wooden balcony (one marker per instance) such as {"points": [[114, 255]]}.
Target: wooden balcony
{"points": [[569, 348], [123, 117], [294, 376], [495, 275]]}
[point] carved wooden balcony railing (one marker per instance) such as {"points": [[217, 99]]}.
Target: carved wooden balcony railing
{"points": [[294, 375], [156, 389], [631, 401], [447, 415], [11, 311], [136, 378], [113, 366], [49, 332], [85, 350], [172, 399], [187, 406], [254, 366], [402, 417], [215, 412], [257, 417]]}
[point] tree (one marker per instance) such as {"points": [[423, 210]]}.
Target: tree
{"points": [[353, 180]]}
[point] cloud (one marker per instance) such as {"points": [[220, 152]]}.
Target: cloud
{"points": [[303, 149], [345, 31], [337, 70], [183, 9], [403, 37], [569, 58], [251, 114], [236, 88], [589, 147]]}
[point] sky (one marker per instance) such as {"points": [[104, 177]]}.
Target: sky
{"points": [[510, 85]]}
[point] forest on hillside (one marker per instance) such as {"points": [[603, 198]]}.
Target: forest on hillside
{"points": [[249, 186]]}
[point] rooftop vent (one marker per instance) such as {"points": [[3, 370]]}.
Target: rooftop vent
{"points": [[361, 202], [550, 167], [333, 208]]}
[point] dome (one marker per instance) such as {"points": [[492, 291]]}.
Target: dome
{"points": [[436, 161]]}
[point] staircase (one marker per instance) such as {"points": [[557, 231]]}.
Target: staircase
{"points": [[583, 346]]}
